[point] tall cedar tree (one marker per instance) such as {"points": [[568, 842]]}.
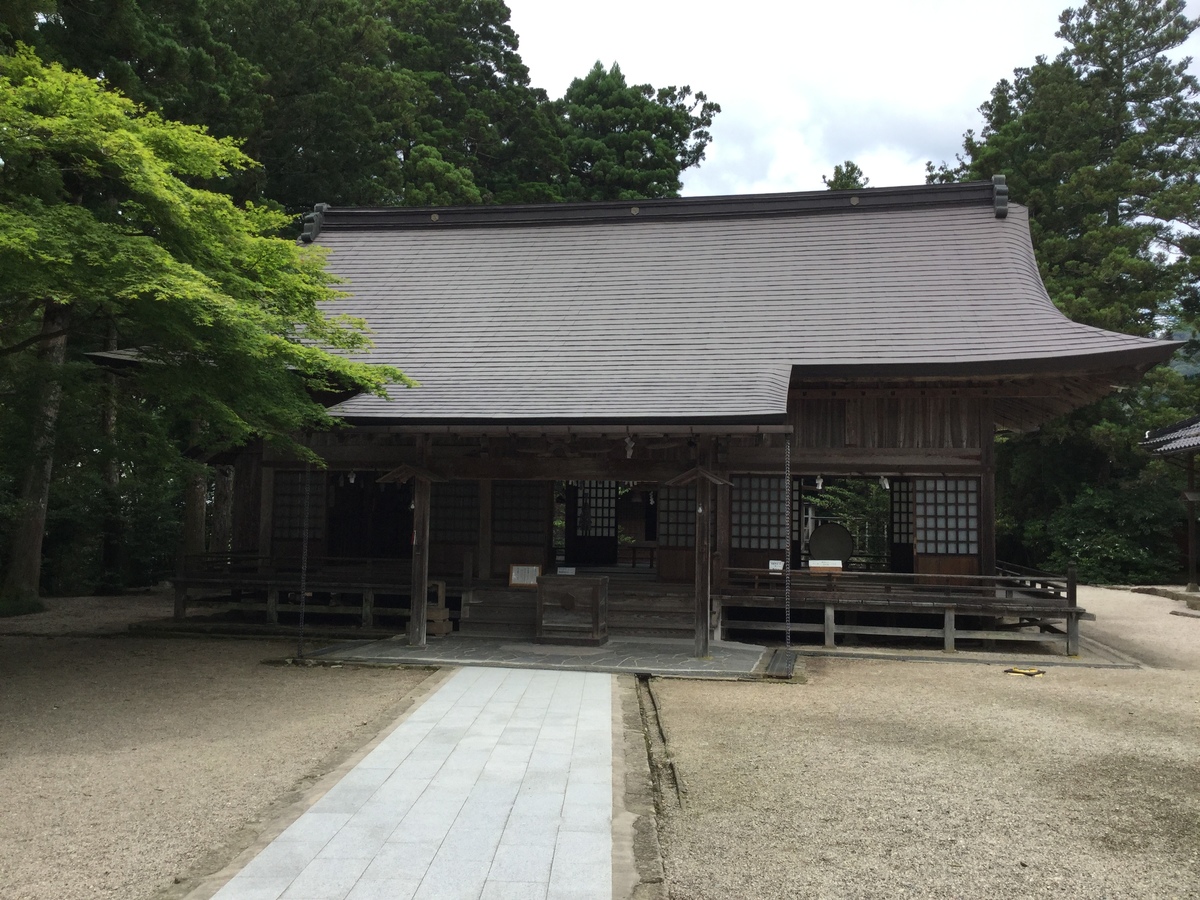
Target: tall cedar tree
{"points": [[630, 142], [1103, 146], [102, 233]]}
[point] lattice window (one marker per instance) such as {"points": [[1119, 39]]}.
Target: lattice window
{"points": [[289, 506], [677, 517], [757, 512], [519, 513], [797, 508], [902, 511], [454, 512], [596, 509], [946, 516]]}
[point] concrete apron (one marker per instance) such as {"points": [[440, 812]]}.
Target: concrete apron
{"points": [[631, 655]]}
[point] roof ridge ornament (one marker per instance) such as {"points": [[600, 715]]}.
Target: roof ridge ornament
{"points": [[313, 222], [1000, 196]]}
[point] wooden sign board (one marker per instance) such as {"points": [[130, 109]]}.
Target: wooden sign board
{"points": [[825, 566], [524, 576], [566, 570]]}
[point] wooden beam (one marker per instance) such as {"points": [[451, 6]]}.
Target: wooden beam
{"points": [[696, 474], [453, 466], [405, 471], [647, 430], [856, 460]]}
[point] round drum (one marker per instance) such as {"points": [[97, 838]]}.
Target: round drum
{"points": [[831, 541]]}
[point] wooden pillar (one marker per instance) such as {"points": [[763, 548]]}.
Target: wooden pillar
{"points": [[247, 500], [222, 528], [195, 513], [485, 528], [703, 562], [1072, 635], [987, 489], [419, 605], [724, 493], [551, 558], [1072, 603], [266, 520], [948, 630], [1191, 514], [830, 626]]}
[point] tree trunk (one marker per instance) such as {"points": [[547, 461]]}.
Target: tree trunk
{"points": [[19, 593]]}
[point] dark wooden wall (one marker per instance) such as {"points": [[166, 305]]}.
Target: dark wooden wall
{"points": [[886, 423]]}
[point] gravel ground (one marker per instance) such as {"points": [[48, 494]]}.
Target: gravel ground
{"points": [[888, 779], [128, 763], [90, 615]]}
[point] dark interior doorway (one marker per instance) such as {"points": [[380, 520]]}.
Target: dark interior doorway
{"points": [[368, 519]]}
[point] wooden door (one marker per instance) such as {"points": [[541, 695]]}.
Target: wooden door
{"points": [[591, 526], [946, 525]]}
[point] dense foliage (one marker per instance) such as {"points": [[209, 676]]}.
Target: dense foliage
{"points": [[104, 239], [1102, 144], [361, 102]]}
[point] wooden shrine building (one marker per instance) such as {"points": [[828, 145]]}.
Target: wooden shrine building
{"points": [[647, 389]]}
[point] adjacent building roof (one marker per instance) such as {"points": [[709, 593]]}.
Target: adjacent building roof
{"points": [[1182, 437], [697, 310]]}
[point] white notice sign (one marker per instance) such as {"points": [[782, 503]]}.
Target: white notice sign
{"points": [[523, 576]]}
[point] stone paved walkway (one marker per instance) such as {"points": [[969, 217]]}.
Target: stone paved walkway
{"points": [[498, 786]]}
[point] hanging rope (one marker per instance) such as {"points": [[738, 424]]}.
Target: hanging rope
{"points": [[787, 546], [304, 557]]}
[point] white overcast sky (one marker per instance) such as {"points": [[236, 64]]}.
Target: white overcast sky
{"points": [[804, 85]]}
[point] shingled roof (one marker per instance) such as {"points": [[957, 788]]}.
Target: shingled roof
{"points": [[1182, 437], [697, 310]]}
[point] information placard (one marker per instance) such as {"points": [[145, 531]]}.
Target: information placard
{"points": [[523, 576]]}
